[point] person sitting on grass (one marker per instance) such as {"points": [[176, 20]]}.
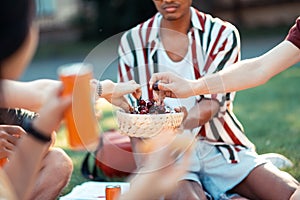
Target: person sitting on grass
{"points": [[239, 76], [21, 175], [35, 169]]}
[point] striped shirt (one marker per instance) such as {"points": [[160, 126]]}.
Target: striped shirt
{"points": [[214, 45]]}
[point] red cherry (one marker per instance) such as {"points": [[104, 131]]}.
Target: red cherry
{"points": [[155, 86], [150, 104], [142, 102]]}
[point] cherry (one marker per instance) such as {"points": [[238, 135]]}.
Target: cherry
{"points": [[150, 107], [140, 108], [150, 104], [142, 102], [155, 86]]}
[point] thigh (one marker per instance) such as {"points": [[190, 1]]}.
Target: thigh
{"points": [[267, 182], [187, 190]]}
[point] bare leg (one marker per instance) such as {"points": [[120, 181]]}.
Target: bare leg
{"points": [[187, 190], [54, 175], [267, 182]]}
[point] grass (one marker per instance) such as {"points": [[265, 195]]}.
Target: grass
{"points": [[269, 114]]}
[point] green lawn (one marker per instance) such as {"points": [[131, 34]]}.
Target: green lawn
{"points": [[269, 113]]}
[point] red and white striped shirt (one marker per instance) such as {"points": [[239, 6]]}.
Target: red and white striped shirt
{"points": [[214, 45]]}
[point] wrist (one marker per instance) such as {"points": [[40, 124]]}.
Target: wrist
{"points": [[107, 87], [99, 89], [195, 86], [32, 131], [200, 87]]}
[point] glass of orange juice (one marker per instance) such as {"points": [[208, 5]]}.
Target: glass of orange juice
{"points": [[80, 118]]}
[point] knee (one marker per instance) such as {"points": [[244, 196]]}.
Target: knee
{"points": [[59, 162], [188, 190]]}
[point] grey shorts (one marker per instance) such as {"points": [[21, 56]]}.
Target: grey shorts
{"points": [[210, 168]]}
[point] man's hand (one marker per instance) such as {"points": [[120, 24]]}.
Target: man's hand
{"points": [[9, 135], [201, 113]]}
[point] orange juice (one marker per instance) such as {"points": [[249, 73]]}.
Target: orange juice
{"points": [[80, 118], [112, 192]]}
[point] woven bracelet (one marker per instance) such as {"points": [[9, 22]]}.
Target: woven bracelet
{"points": [[27, 126]]}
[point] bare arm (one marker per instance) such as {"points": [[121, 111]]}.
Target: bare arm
{"points": [[25, 162], [201, 113], [251, 72], [28, 95], [241, 75], [114, 92]]}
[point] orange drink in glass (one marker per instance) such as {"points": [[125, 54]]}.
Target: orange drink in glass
{"points": [[80, 118]]}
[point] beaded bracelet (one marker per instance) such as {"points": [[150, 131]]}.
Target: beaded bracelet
{"points": [[99, 89], [27, 126]]}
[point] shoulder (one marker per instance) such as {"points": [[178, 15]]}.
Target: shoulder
{"points": [[211, 23]]}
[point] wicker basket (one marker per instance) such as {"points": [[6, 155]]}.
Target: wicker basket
{"points": [[148, 125]]}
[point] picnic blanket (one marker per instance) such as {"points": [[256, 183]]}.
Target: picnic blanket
{"points": [[92, 190]]}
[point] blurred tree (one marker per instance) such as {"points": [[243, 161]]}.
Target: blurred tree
{"points": [[114, 16]]}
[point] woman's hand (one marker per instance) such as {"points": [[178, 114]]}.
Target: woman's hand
{"points": [[114, 92], [52, 112], [171, 85], [9, 135], [121, 89]]}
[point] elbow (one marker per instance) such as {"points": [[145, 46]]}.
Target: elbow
{"points": [[260, 74], [262, 79]]}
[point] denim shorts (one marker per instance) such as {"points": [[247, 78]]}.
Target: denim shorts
{"points": [[210, 168]]}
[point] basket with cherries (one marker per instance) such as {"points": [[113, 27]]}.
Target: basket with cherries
{"points": [[148, 119]]}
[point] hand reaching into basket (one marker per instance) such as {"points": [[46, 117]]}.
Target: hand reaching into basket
{"points": [[168, 84], [114, 92]]}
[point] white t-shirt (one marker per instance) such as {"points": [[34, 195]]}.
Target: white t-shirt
{"points": [[182, 68]]}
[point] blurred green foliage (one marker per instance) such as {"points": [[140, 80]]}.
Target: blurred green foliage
{"points": [[113, 16]]}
